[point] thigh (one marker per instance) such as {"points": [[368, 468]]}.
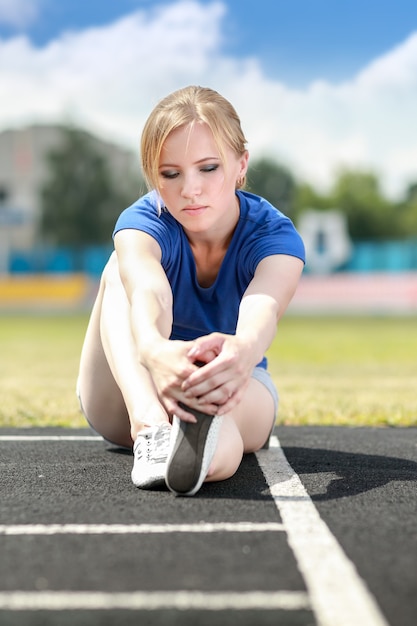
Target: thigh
{"points": [[100, 397]]}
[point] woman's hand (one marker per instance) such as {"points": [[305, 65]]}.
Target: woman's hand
{"points": [[223, 378], [170, 365]]}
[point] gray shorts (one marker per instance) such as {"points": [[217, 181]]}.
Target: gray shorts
{"points": [[264, 377]]}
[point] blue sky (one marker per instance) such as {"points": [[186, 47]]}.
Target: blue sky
{"points": [[295, 40], [320, 85]]}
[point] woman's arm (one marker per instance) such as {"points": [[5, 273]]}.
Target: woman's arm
{"points": [[150, 298], [223, 380], [266, 300], [146, 286]]}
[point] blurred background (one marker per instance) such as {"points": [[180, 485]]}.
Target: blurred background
{"points": [[327, 95]]}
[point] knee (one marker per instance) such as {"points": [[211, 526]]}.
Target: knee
{"points": [[110, 274], [222, 470]]}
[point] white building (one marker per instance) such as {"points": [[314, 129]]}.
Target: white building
{"points": [[23, 170]]}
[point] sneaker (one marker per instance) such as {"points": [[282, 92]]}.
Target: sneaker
{"points": [[150, 453], [192, 450]]}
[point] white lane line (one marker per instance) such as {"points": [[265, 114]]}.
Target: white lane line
{"points": [[50, 438], [152, 600], [339, 597], [140, 529]]}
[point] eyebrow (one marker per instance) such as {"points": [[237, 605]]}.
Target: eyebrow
{"points": [[203, 160]]}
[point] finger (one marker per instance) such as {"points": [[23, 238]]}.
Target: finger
{"points": [[205, 379], [228, 406], [184, 415], [211, 342], [218, 396], [233, 400]]}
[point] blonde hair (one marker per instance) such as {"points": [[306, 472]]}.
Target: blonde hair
{"points": [[187, 106]]}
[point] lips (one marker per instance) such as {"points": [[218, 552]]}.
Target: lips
{"points": [[194, 210]]}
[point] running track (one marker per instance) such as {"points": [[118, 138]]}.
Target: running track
{"points": [[318, 530]]}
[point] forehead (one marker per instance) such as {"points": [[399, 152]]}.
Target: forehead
{"points": [[194, 142], [190, 137]]}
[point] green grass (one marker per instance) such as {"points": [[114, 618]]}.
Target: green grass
{"points": [[341, 371], [38, 370], [346, 371]]}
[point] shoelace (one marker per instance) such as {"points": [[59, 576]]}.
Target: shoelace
{"points": [[154, 446], [161, 440]]}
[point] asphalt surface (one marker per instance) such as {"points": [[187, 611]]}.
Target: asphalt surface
{"points": [[79, 544]]}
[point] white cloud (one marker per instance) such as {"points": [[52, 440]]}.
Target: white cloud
{"points": [[18, 13], [109, 78]]}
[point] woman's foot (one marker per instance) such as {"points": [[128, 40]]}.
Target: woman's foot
{"points": [[150, 452], [192, 449]]}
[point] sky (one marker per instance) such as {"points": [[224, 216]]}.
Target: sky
{"points": [[320, 85]]}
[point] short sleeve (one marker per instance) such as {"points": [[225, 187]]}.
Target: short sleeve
{"points": [[268, 232], [144, 215]]}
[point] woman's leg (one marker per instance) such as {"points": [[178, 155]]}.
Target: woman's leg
{"points": [[116, 392], [245, 429]]}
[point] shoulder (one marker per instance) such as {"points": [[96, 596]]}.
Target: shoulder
{"points": [[257, 212], [266, 230], [145, 207], [257, 209], [146, 213]]}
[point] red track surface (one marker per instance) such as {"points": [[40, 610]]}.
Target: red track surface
{"points": [[357, 293]]}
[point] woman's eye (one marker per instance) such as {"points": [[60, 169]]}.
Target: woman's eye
{"points": [[210, 168], [169, 174]]}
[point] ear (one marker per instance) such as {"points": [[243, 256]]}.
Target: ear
{"points": [[244, 162]]}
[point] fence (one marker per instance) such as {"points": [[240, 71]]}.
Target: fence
{"points": [[366, 257]]}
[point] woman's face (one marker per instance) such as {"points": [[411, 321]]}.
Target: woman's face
{"points": [[196, 187]]}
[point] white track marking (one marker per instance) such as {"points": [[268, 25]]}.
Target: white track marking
{"points": [[139, 529], [50, 438], [338, 595], [152, 600]]}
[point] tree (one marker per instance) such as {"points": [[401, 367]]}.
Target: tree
{"points": [[274, 183], [80, 201], [306, 197], [370, 216], [408, 212]]}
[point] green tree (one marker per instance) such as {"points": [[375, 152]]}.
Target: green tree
{"points": [[306, 197], [408, 212], [357, 194], [274, 183], [369, 214], [80, 202]]}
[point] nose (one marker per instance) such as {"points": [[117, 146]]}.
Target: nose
{"points": [[191, 187]]}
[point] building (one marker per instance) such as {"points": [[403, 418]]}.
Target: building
{"points": [[23, 171]]}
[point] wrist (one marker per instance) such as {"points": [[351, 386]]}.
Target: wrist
{"points": [[149, 348], [249, 347]]}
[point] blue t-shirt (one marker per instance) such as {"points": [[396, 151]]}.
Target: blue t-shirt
{"points": [[261, 231]]}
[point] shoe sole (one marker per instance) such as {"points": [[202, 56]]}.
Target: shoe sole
{"points": [[192, 450], [149, 483]]}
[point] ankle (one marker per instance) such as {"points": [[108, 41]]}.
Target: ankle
{"points": [[147, 416], [139, 427]]}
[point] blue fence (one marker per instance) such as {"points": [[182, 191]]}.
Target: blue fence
{"points": [[390, 256], [90, 260]]}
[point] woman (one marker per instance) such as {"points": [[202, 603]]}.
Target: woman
{"points": [[173, 359]]}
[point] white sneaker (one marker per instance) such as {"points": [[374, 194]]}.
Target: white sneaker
{"points": [[150, 453]]}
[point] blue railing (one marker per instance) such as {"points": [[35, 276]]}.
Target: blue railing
{"points": [[390, 256], [90, 260]]}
